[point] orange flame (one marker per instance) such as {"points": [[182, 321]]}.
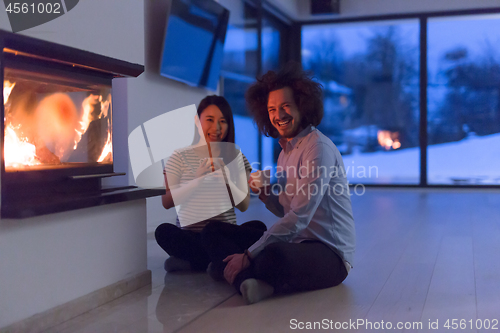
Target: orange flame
{"points": [[388, 139], [87, 107], [105, 104], [7, 89], [108, 149], [18, 151]]}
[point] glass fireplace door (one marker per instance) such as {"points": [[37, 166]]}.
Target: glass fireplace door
{"points": [[54, 122]]}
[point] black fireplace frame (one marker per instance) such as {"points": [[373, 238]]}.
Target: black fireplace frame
{"points": [[38, 192]]}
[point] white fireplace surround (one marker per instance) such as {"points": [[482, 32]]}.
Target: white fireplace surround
{"points": [[52, 260]]}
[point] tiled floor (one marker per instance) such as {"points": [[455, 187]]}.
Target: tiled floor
{"points": [[423, 256]]}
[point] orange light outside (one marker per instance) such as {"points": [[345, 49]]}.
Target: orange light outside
{"points": [[388, 139]]}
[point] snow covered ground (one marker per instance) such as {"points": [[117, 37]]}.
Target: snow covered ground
{"points": [[474, 160]]}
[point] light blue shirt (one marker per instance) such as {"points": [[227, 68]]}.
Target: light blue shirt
{"points": [[314, 200]]}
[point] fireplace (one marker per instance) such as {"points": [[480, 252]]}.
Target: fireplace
{"points": [[57, 113]]}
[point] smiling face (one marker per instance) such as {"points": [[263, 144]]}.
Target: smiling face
{"points": [[213, 124], [284, 113]]}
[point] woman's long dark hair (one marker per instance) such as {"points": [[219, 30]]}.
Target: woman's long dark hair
{"points": [[225, 108]]}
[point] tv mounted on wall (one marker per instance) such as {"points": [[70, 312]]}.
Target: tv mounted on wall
{"points": [[194, 42]]}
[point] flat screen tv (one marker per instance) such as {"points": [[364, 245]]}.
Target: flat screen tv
{"points": [[194, 42]]}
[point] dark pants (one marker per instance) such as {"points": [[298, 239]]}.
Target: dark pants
{"points": [[288, 267], [222, 239], [187, 244]]}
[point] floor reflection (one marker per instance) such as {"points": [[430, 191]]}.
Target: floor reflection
{"points": [[186, 296]]}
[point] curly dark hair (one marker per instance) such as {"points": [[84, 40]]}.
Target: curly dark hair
{"points": [[308, 96]]}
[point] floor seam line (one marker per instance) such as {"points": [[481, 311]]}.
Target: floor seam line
{"points": [[203, 313]]}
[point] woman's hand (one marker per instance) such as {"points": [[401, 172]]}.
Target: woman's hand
{"points": [[235, 264], [204, 168], [251, 184]]}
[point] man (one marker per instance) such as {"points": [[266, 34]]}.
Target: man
{"points": [[312, 245]]}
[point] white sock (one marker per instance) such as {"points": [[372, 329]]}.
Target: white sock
{"points": [[254, 290]]}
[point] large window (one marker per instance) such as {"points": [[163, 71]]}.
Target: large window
{"points": [[390, 132], [246, 56], [464, 100], [370, 77]]}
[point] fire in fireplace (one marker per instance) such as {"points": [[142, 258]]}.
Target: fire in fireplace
{"points": [[53, 124]]}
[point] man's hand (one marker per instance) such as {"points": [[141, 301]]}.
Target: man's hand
{"points": [[262, 191], [235, 264]]}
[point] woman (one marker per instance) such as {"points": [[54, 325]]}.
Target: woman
{"points": [[185, 178]]}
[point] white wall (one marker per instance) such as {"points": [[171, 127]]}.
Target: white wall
{"points": [[49, 260], [113, 28]]}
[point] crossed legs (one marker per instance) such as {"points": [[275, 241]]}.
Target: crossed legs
{"points": [[287, 267]]}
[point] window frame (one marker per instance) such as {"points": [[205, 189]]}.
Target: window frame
{"points": [[423, 18]]}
